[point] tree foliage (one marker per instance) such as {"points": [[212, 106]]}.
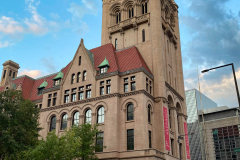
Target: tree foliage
{"points": [[19, 125], [77, 142]]}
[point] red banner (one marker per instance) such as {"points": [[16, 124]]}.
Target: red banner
{"points": [[165, 115], [187, 141]]}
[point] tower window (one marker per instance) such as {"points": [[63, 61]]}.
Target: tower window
{"points": [[131, 13], [53, 123], [143, 35], [130, 139], [116, 43], [73, 78], [4, 73], [79, 61], [130, 112], [13, 75], [149, 114], [10, 73], [144, 8], [118, 17], [150, 139]]}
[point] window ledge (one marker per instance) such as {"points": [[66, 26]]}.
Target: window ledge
{"points": [[101, 124], [130, 121]]}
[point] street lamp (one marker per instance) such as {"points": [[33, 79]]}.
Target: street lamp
{"points": [[231, 64]]}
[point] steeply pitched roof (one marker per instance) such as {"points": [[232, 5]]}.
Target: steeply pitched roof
{"points": [[104, 63], [60, 75], [43, 85], [124, 60]]}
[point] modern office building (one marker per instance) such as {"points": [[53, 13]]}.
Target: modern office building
{"points": [[193, 103], [221, 133], [132, 85]]}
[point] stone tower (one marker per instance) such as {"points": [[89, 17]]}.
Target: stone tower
{"points": [[10, 71]]}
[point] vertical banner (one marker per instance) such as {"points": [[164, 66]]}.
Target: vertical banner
{"points": [[165, 115], [186, 140]]}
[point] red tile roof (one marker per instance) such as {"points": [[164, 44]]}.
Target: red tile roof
{"points": [[124, 60]]}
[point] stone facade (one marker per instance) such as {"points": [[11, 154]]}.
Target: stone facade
{"points": [[148, 54]]}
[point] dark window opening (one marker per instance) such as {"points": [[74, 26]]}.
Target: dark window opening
{"points": [[40, 106], [133, 86], [99, 142], [4, 73], [76, 118], [150, 139], [53, 123], [101, 90], [78, 77], [54, 101], [149, 114], [130, 139], [49, 102], [66, 98], [126, 87], [172, 145], [64, 122], [79, 62], [74, 95], [40, 91], [108, 89], [130, 112], [10, 73], [116, 44], [143, 35], [13, 75]]}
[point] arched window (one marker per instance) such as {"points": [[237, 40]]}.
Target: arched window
{"points": [[100, 115], [118, 17], [170, 100], [64, 122], [149, 113], [53, 123], [130, 112], [78, 77], [143, 35], [178, 119], [84, 75], [116, 43], [76, 118], [144, 8], [73, 78], [79, 61], [131, 12], [88, 116]]}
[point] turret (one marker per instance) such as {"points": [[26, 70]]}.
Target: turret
{"points": [[10, 71]]}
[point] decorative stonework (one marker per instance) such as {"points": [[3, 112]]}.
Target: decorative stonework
{"points": [[174, 91]]}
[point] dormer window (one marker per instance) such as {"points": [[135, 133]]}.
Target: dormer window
{"points": [[41, 87], [58, 78], [103, 67]]}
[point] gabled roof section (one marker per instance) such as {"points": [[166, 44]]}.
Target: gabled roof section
{"points": [[43, 85], [59, 76], [91, 56], [129, 59], [104, 63]]}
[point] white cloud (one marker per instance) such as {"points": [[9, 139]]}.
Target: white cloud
{"points": [[54, 16], [4, 44], [31, 73], [9, 26]]}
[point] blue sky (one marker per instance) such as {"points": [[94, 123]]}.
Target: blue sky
{"points": [[43, 36]]}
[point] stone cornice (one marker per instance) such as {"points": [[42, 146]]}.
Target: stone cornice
{"points": [[174, 91], [100, 98], [54, 88]]}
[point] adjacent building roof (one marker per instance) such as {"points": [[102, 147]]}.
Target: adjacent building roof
{"points": [[121, 61]]}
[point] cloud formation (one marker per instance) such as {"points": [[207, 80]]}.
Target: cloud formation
{"points": [[31, 73], [215, 40]]}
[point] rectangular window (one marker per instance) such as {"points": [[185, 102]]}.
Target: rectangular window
{"points": [[54, 101], [10, 73], [133, 86], [66, 98], [13, 75], [74, 89], [4, 73], [150, 139], [81, 88], [40, 91], [88, 94], [116, 43], [101, 90], [130, 139], [143, 35], [89, 86], [101, 83], [133, 78], [99, 142], [49, 102], [126, 87], [55, 95], [172, 145], [67, 92], [146, 87], [40, 106], [146, 79], [125, 79], [50, 96], [103, 70], [150, 90], [57, 82], [73, 97], [109, 81], [108, 89], [80, 96]]}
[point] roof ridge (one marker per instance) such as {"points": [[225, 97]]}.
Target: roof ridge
{"points": [[22, 77], [133, 46], [100, 46], [46, 76]]}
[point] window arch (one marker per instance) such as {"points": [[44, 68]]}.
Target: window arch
{"points": [[143, 35], [84, 75], [144, 8], [53, 123], [64, 122], [78, 77], [149, 113], [130, 112], [100, 115], [73, 78], [118, 17], [79, 60], [88, 116], [76, 118], [131, 12]]}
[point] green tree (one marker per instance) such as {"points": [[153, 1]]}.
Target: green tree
{"points": [[19, 125], [77, 142]]}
